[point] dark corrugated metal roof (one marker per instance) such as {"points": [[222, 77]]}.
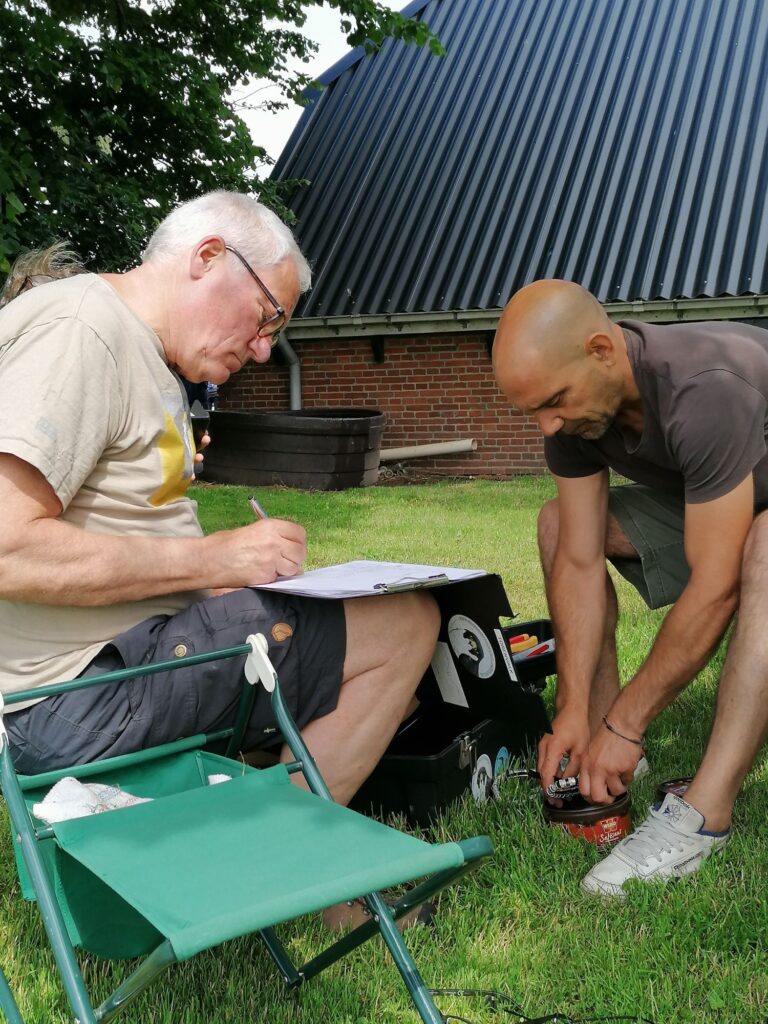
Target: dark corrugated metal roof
{"points": [[619, 143]]}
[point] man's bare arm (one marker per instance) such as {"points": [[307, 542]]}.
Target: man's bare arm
{"points": [[577, 602], [715, 534], [47, 561]]}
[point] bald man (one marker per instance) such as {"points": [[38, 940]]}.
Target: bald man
{"points": [[682, 410]]}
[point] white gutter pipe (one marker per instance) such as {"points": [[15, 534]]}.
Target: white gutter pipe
{"points": [[418, 451]]}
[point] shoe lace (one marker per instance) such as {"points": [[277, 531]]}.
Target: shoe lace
{"points": [[652, 839]]}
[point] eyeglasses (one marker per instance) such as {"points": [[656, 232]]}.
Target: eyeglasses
{"points": [[276, 322]]}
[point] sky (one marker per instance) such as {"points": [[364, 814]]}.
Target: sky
{"points": [[271, 130]]}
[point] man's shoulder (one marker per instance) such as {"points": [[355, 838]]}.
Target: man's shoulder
{"points": [[48, 300], [83, 302], [670, 357], [702, 339], [81, 297]]}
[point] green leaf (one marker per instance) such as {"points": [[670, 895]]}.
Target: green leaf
{"points": [[14, 202], [109, 106]]}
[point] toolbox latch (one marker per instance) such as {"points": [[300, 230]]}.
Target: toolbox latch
{"points": [[467, 750]]}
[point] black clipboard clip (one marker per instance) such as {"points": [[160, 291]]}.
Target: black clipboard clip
{"points": [[407, 583]]}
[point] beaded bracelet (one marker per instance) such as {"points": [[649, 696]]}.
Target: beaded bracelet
{"points": [[629, 739]]}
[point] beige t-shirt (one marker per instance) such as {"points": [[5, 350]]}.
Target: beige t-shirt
{"points": [[90, 402]]}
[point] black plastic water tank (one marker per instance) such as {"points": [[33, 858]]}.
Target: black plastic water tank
{"points": [[320, 449]]}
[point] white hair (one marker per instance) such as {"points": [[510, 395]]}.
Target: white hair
{"points": [[243, 222]]}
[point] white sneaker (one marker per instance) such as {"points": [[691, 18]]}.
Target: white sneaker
{"points": [[668, 844]]}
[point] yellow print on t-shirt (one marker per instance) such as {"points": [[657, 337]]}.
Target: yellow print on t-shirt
{"points": [[175, 446]]}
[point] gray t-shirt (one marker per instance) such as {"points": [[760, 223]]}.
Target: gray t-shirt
{"points": [[704, 389]]}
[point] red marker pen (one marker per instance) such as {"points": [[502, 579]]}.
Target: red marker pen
{"points": [[548, 646]]}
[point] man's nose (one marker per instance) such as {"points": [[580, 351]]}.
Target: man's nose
{"points": [[549, 421]]}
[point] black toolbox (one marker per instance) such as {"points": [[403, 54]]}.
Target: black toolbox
{"points": [[480, 708]]}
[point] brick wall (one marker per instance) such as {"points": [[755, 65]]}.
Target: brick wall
{"points": [[431, 388]]}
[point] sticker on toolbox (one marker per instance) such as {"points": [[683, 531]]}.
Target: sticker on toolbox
{"points": [[505, 654], [500, 766], [447, 677], [502, 762], [471, 646], [482, 779]]}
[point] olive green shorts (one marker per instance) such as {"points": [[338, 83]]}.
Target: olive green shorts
{"points": [[653, 523]]}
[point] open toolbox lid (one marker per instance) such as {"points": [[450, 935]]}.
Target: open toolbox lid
{"points": [[473, 666]]}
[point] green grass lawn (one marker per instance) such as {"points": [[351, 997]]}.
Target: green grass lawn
{"points": [[692, 951]]}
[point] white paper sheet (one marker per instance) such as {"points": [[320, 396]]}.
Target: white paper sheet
{"points": [[447, 677], [367, 579]]}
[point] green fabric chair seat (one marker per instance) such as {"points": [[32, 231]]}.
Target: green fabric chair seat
{"points": [[201, 863], [222, 861]]}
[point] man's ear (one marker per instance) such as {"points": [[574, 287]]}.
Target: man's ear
{"points": [[205, 254], [601, 347]]}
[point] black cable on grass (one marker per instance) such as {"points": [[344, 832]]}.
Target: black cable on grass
{"points": [[497, 1002]]}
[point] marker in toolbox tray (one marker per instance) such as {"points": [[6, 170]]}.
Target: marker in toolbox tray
{"points": [[549, 645], [523, 642]]}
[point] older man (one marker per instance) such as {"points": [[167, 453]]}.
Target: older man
{"points": [[683, 411], [102, 560]]}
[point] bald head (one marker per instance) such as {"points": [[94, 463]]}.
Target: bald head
{"points": [[545, 324], [554, 339]]}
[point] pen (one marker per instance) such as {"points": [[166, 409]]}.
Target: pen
{"points": [[258, 511], [548, 646]]}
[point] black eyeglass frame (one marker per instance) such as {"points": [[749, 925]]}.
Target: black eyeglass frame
{"points": [[279, 314]]}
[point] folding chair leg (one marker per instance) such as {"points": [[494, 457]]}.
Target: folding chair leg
{"points": [[419, 894], [8, 1003], [414, 982], [158, 961], [50, 912], [284, 963]]}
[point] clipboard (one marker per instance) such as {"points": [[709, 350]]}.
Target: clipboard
{"points": [[364, 578], [439, 579]]}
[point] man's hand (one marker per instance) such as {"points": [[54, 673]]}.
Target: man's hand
{"points": [[262, 551], [569, 736], [607, 767], [205, 440]]}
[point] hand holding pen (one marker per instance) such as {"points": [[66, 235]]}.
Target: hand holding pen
{"points": [[284, 543]]}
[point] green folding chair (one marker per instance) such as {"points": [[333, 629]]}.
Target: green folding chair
{"points": [[7, 1002], [147, 880]]}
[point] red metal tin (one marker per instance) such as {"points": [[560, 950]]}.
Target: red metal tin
{"points": [[600, 824]]}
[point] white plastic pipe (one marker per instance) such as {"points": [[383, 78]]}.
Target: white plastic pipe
{"points": [[294, 370], [418, 451]]}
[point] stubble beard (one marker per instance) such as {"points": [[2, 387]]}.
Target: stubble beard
{"points": [[593, 430]]}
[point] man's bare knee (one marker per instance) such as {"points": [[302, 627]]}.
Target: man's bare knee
{"points": [[617, 544], [399, 630], [755, 558], [419, 616]]}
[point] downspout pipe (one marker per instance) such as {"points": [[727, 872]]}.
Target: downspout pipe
{"points": [[418, 451], [294, 370]]}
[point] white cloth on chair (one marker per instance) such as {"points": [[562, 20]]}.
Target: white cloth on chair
{"points": [[70, 798]]}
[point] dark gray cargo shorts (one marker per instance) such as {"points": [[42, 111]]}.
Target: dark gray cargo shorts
{"points": [[653, 523], [307, 645]]}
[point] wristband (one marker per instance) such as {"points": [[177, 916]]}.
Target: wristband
{"points": [[629, 739]]}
